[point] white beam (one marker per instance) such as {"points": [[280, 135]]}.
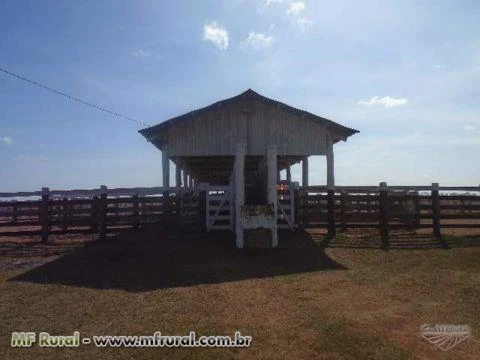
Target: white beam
{"points": [[305, 171], [184, 174], [289, 173], [178, 175]]}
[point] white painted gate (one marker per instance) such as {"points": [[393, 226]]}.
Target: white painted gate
{"points": [[286, 207], [220, 209]]}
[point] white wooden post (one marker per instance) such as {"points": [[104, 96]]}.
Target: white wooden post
{"points": [[178, 175], [165, 168], [184, 173], [330, 164], [289, 173], [305, 171], [272, 188], [239, 191]]}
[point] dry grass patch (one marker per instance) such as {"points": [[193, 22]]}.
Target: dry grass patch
{"points": [[307, 303]]}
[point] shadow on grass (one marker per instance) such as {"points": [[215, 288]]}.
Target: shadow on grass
{"points": [[149, 259]]}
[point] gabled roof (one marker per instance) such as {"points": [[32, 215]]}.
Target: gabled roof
{"points": [[249, 95]]}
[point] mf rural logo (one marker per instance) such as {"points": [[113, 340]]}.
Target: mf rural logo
{"points": [[445, 336]]}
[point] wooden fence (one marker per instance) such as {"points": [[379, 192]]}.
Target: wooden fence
{"points": [[99, 210], [389, 208]]}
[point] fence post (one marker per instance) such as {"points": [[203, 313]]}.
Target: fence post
{"points": [[136, 222], [343, 210], [301, 208], [294, 209], [384, 228], [102, 212], [94, 213], [436, 213], [417, 218], [167, 210], [203, 206], [44, 214], [331, 211]]}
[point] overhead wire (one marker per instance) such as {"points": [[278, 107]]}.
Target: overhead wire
{"points": [[84, 102]]}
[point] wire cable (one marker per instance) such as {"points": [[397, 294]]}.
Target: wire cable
{"points": [[58, 92]]}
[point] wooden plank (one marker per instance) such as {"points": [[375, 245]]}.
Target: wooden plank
{"points": [[20, 223], [459, 197], [466, 225], [460, 207], [460, 216]]}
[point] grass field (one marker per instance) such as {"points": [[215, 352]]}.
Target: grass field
{"points": [[297, 302]]}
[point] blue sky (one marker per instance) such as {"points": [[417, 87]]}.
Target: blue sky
{"points": [[405, 73]]}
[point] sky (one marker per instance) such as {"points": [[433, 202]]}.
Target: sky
{"points": [[404, 73]]}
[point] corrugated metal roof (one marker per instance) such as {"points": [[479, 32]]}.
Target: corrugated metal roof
{"points": [[247, 95]]}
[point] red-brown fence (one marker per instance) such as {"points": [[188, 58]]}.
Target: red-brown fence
{"points": [[101, 210], [389, 208]]}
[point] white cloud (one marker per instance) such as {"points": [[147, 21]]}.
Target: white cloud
{"points": [[216, 34], [268, 2], [6, 140], [469, 128], [386, 101], [296, 7], [257, 41], [304, 23], [141, 53]]}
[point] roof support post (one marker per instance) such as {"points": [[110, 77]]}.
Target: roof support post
{"points": [[330, 164], [239, 192], [289, 173], [305, 171], [178, 175], [165, 168], [184, 175], [272, 188]]}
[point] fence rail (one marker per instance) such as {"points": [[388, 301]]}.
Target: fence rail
{"points": [[100, 209], [382, 207], [387, 208]]}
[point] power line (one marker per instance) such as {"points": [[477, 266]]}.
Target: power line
{"points": [[58, 92]]}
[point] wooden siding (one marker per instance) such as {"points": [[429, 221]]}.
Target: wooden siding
{"points": [[251, 122]]}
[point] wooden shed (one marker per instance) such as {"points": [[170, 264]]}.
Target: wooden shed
{"points": [[239, 146]]}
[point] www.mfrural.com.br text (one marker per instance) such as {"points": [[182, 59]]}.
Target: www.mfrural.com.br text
{"points": [[45, 339]]}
